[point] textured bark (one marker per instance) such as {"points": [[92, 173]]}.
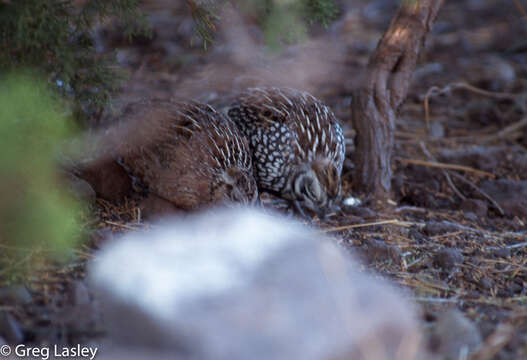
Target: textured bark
{"points": [[384, 89]]}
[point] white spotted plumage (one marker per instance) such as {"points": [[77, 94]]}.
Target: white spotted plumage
{"points": [[295, 124]]}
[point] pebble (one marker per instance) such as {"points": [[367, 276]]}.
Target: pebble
{"points": [[475, 206], [510, 195], [448, 258], [433, 228]]}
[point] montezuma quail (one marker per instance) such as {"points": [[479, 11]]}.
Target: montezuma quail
{"points": [[296, 143], [188, 154]]}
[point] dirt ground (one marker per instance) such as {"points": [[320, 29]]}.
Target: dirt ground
{"points": [[456, 230]]}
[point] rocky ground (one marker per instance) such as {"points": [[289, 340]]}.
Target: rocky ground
{"points": [[456, 234]]}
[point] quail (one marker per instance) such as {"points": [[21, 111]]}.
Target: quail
{"points": [[296, 142], [187, 153]]}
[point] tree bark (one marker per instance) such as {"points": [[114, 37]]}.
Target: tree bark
{"points": [[382, 92]]}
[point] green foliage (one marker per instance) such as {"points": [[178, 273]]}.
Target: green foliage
{"points": [[282, 21], [320, 11], [54, 37], [36, 214]]}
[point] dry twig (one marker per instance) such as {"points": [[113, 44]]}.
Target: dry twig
{"points": [[383, 222], [445, 166]]}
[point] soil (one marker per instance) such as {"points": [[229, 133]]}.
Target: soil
{"points": [[455, 232]]}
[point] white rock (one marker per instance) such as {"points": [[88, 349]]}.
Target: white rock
{"points": [[241, 284]]}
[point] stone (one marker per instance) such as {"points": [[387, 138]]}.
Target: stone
{"points": [[478, 207], [448, 258], [433, 228], [378, 250], [81, 189], [510, 195], [454, 335], [242, 284], [437, 130]]}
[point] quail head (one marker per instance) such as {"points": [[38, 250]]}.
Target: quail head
{"points": [[188, 154], [297, 145]]}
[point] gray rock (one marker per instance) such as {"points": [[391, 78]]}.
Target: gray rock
{"points": [[510, 195], [454, 336], [437, 130], [240, 284], [81, 189], [448, 258], [433, 228], [478, 207]]}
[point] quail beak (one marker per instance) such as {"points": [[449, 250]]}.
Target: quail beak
{"points": [[323, 213], [298, 206], [328, 211]]}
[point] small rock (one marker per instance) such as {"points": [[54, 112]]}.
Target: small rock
{"points": [[478, 207], [483, 112], [454, 334], [378, 250], [470, 216], [437, 130], [425, 70], [485, 283], [502, 252], [9, 328], [360, 211], [479, 157], [448, 258], [81, 189], [510, 195], [491, 72], [17, 294], [433, 228]]}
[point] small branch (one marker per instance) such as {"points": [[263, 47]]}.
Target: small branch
{"points": [[500, 337], [354, 226], [506, 132], [445, 172], [518, 99], [445, 166], [483, 193]]}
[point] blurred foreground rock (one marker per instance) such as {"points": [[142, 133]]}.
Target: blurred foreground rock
{"points": [[241, 284]]}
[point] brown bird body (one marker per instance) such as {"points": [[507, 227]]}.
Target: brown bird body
{"points": [[296, 142], [187, 153]]}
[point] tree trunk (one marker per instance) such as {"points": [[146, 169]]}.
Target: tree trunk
{"points": [[383, 90]]}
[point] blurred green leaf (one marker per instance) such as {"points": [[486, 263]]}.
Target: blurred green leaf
{"points": [[37, 214]]}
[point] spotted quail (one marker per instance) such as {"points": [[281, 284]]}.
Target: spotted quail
{"points": [[187, 153], [297, 145]]}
